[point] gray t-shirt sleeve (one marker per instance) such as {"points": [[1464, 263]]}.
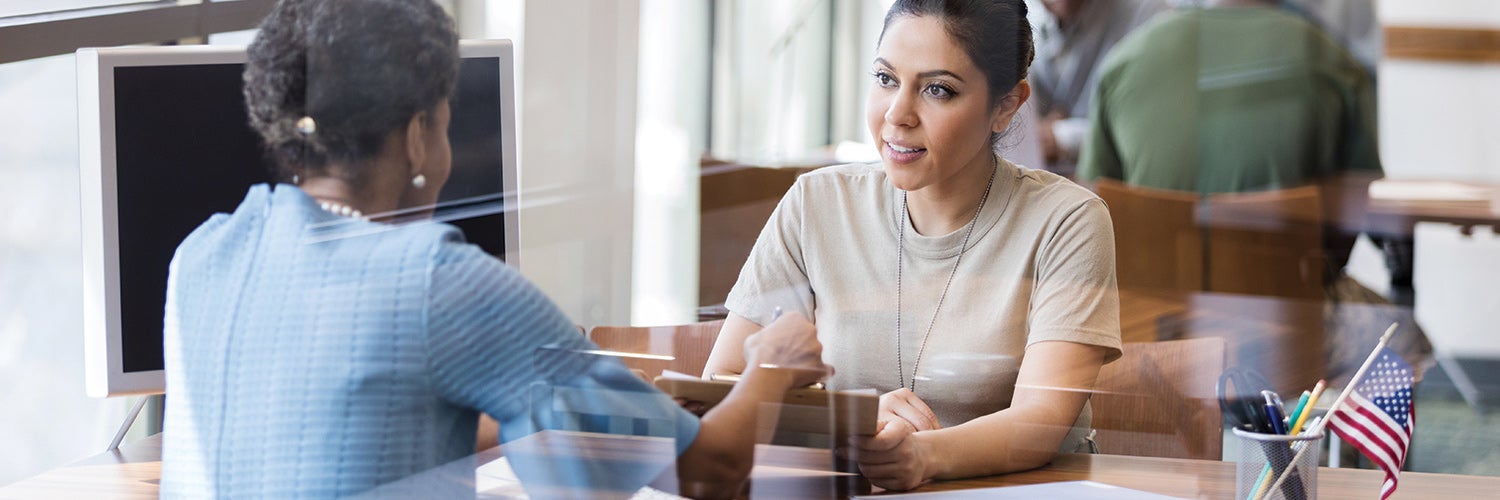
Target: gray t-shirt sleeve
{"points": [[775, 273], [1074, 297]]}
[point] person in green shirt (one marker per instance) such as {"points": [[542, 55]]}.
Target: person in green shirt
{"points": [[1244, 96], [1238, 97]]}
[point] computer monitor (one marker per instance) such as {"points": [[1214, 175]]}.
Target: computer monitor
{"points": [[165, 142]]}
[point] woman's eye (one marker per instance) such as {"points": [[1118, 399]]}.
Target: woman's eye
{"points": [[938, 91], [884, 79]]}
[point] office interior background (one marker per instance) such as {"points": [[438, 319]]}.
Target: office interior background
{"points": [[620, 102]]}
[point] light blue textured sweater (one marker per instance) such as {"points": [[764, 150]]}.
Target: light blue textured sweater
{"points": [[313, 356]]}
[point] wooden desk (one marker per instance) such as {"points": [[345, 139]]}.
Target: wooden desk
{"points": [[133, 471], [1399, 217], [792, 473], [1351, 208]]}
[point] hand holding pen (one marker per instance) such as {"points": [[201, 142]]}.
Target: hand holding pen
{"points": [[788, 344]]}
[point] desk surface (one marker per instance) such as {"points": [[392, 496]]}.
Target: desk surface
{"points": [[134, 471], [1352, 207], [1398, 216]]}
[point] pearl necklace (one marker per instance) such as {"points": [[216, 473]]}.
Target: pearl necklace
{"points": [[900, 256], [342, 210]]}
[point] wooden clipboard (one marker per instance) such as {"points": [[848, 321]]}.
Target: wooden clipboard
{"points": [[816, 411]]}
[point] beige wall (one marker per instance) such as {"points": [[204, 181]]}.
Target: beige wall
{"points": [[1438, 119]]}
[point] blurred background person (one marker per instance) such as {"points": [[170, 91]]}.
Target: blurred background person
{"points": [[1350, 22], [1241, 96], [1072, 37]]}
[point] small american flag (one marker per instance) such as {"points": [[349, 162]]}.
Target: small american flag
{"points": [[1378, 416]]}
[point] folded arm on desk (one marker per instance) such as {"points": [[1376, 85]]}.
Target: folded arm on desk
{"points": [[1055, 381]]}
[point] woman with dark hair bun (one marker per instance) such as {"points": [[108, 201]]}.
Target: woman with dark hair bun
{"points": [[315, 347], [979, 295]]}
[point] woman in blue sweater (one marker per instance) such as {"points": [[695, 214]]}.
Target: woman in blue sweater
{"points": [[315, 350]]}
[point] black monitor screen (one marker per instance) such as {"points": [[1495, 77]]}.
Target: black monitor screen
{"points": [[184, 150]]}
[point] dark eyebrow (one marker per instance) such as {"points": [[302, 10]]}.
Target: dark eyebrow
{"points": [[924, 74]]}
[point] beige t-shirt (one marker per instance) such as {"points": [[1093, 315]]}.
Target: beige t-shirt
{"points": [[1039, 266]]}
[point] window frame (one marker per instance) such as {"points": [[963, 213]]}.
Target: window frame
{"points": [[63, 32]]}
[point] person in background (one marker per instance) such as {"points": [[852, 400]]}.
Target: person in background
{"points": [[1352, 23], [1240, 96], [1234, 97], [1072, 37], [1244, 96], [318, 344], [977, 295]]}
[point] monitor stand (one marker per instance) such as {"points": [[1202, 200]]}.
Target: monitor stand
{"points": [[129, 420]]}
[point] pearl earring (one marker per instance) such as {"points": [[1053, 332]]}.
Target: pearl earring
{"points": [[419, 182], [306, 125]]}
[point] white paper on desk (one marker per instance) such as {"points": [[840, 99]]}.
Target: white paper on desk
{"points": [[676, 375], [496, 480], [1082, 490], [1397, 190]]}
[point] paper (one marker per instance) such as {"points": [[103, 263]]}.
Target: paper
{"points": [[1080, 490], [1395, 190], [496, 480], [676, 375]]}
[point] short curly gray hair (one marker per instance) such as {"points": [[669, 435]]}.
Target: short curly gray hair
{"points": [[359, 68]]}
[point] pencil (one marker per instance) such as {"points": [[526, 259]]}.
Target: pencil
{"points": [[1311, 400]]}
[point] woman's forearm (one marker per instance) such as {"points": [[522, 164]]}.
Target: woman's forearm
{"points": [[1007, 441], [1054, 384], [728, 355]]}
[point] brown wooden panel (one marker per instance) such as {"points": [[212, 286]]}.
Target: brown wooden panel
{"points": [[736, 201], [688, 345], [1266, 242], [728, 185], [1158, 400], [1157, 241], [1442, 44], [727, 235]]}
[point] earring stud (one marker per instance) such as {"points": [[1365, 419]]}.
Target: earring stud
{"points": [[419, 182], [307, 126]]}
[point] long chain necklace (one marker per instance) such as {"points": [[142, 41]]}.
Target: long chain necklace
{"points": [[901, 254]]}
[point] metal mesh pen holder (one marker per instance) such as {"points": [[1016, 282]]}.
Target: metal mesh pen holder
{"points": [[1265, 458]]}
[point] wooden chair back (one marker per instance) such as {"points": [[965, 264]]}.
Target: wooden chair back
{"points": [[1257, 243], [1159, 400], [1266, 242], [1158, 244], [681, 348]]}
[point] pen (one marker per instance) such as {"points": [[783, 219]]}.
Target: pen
{"points": [[775, 314], [1312, 423], [1273, 412], [1286, 423]]}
